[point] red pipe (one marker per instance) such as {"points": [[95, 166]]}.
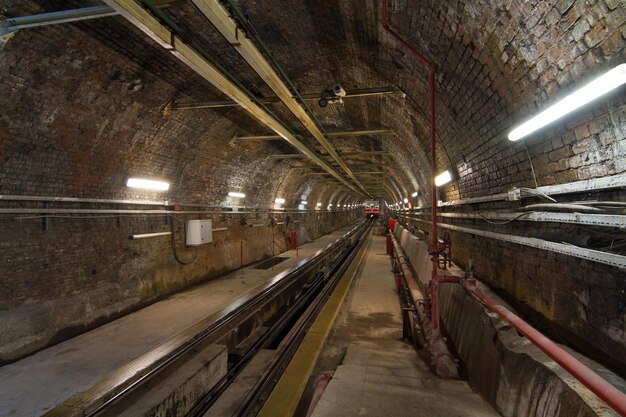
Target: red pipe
{"points": [[599, 386], [433, 158], [604, 390], [444, 362]]}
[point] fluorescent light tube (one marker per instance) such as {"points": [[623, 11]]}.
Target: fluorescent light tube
{"points": [[279, 201], [443, 178], [147, 184], [236, 194], [303, 202], [589, 92]]}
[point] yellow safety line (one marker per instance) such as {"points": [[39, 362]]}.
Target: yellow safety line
{"points": [[284, 399]]}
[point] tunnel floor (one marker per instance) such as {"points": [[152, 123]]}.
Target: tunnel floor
{"points": [[375, 372], [39, 382]]}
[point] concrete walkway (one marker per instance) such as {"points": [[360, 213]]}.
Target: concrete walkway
{"points": [[377, 374], [44, 380]]}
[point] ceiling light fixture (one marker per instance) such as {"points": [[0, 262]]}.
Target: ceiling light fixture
{"points": [[406, 200], [589, 92], [147, 184], [414, 194], [236, 194], [303, 202], [279, 201], [319, 204], [443, 178]]}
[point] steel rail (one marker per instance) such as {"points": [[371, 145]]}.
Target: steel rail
{"points": [[311, 303], [124, 380], [271, 378]]}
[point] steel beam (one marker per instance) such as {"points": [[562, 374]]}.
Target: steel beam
{"points": [[593, 255], [13, 24], [594, 184], [219, 17], [364, 153], [160, 33], [287, 156], [298, 155], [54, 18], [331, 134], [603, 220], [362, 92]]}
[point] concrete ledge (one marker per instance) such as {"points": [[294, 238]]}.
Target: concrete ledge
{"points": [[508, 370]]}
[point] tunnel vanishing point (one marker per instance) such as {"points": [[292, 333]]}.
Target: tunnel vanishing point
{"points": [[151, 147]]}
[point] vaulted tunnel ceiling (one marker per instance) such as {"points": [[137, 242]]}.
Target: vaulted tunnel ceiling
{"points": [[496, 63]]}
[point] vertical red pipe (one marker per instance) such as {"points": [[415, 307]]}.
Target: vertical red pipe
{"points": [[607, 392], [434, 287], [433, 159]]}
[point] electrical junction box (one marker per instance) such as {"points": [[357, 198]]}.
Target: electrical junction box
{"points": [[515, 194], [199, 232]]}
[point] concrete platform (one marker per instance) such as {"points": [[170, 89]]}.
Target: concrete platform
{"points": [[376, 373], [35, 384]]}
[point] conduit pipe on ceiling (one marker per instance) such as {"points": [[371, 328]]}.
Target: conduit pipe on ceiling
{"points": [[433, 162], [598, 385], [228, 27], [195, 58]]}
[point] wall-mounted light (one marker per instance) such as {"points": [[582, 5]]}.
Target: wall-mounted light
{"points": [[303, 202], [279, 200], [443, 178], [406, 200], [236, 194], [415, 194], [147, 184], [589, 92]]}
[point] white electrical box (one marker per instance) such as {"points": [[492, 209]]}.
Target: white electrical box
{"points": [[199, 232]]}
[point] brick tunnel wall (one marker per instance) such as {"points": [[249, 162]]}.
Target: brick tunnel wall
{"points": [[80, 113], [497, 66], [84, 272], [76, 119]]}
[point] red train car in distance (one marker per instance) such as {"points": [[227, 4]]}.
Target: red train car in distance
{"points": [[372, 209]]}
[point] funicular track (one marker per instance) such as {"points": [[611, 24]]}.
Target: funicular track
{"points": [[275, 316]]}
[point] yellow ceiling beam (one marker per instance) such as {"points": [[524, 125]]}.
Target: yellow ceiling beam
{"points": [[219, 17], [145, 22]]}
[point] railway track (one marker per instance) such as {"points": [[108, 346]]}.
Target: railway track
{"points": [[276, 316]]}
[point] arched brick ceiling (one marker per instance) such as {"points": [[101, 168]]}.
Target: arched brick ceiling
{"points": [[497, 62]]}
